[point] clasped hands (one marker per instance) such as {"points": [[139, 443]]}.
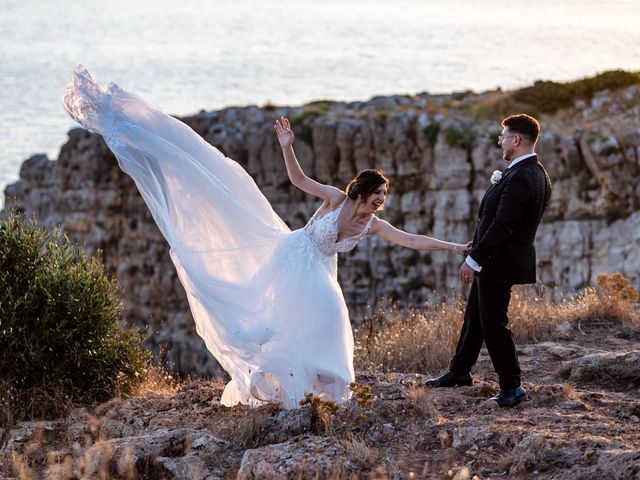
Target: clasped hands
{"points": [[466, 272]]}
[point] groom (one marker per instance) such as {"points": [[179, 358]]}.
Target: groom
{"points": [[502, 255]]}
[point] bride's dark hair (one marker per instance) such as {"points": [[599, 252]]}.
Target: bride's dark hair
{"points": [[365, 183]]}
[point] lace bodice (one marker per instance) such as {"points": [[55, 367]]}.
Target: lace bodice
{"points": [[322, 230]]}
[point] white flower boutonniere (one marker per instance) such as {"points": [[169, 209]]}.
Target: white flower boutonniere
{"points": [[496, 176]]}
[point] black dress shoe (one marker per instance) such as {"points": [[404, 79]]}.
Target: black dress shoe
{"points": [[450, 379], [509, 397]]}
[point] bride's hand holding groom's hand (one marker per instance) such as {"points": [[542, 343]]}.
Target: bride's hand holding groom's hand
{"points": [[462, 249], [284, 132]]}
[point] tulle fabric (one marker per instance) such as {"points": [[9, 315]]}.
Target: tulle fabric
{"points": [[265, 300]]}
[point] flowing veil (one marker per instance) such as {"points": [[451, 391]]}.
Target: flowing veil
{"points": [[265, 300], [220, 227]]}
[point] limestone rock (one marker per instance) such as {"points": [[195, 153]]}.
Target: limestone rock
{"points": [[608, 369], [305, 457], [465, 437], [619, 464], [27, 431], [289, 423], [167, 453], [530, 452]]}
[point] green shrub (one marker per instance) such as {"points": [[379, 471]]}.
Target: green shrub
{"points": [[549, 97], [301, 123], [457, 138], [381, 117], [60, 342], [431, 132], [322, 105]]}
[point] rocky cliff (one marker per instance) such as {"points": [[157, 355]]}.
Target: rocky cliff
{"points": [[439, 152]]}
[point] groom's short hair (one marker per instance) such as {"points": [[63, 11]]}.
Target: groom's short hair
{"points": [[524, 125]]}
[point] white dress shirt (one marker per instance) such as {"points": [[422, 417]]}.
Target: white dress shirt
{"points": [[470, 261]]}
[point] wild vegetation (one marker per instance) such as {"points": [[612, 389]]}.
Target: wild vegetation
{"points": [[549, 97], [422, 340], [59, 336], [301, 122]]}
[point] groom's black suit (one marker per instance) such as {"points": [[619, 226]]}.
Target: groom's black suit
{"points": [[509, 215]]}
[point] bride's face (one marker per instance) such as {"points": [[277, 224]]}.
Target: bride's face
{"points": [[375, 201]]}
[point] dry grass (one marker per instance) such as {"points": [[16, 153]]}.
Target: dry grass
{"points": [[422, 340], [423, 403], [409, 340], [39, 456], [158, 380], [336, 472], [21, 467], [253, 427], [358, 451], [27, 461], [614, 301], [46, 400]]}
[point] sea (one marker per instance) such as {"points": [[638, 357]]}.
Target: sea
{"points": [[184, 56]]}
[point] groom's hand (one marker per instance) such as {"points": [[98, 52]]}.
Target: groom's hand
{"points": [[466, 273]]}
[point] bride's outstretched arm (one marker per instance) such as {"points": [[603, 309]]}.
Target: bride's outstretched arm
{"points": [[297, 176], [417, 242]]}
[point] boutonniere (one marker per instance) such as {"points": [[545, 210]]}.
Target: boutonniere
{"points": [[496, 176]]}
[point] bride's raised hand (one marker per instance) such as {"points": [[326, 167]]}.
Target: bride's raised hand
{"points": [[284, 132]]}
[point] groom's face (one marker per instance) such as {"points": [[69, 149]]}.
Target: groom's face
{"points": [[507, 141]]}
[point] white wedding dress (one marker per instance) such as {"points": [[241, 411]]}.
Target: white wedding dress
{"points": [[265, 300]]}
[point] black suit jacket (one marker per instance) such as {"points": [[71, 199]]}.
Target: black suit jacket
{"points": [[509, 215]]}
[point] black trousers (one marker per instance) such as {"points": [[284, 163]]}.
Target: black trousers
{"points": [[485, 318]]}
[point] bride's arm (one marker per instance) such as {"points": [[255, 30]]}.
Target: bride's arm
{"points": [[411, 240], [298, 178]]}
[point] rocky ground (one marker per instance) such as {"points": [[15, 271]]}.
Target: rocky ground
{"points": [[581, 421]]}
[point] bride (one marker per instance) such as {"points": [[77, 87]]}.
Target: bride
{"points": [[265, 300]]}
